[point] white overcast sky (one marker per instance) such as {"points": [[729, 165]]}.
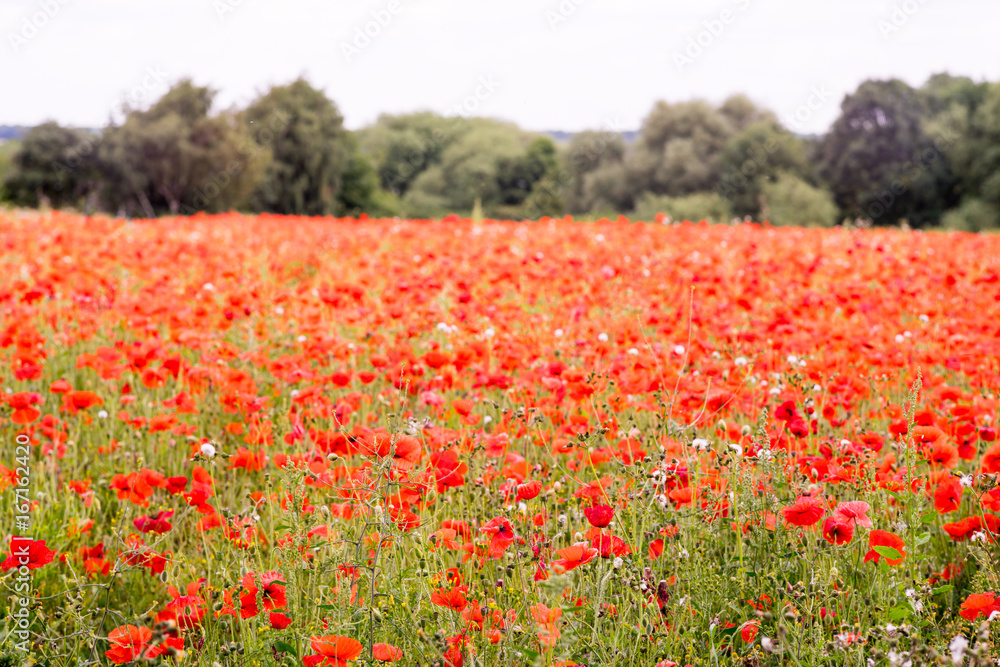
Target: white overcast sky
{"points": [[604, 65]]}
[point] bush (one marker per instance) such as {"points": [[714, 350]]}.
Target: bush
{"points": [[791, 201], [695, 207], [974, 215]]}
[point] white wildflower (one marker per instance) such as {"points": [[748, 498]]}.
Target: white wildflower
{"points": [[957, 647]]}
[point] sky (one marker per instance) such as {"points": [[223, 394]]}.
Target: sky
{"points": [[545, 64]]}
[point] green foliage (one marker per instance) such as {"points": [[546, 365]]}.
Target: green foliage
{"points": [[443, 165], [53, 166], [516, 176], [360, 191], [879, 162], [304, 132], [974, 149], [176, 158], [595, 176], [7, 151], [926, 156], [403, 147], [694, 207], [974, 215], [754, 158], [789, 200], [679, 148]]}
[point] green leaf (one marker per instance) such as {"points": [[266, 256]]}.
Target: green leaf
{"points": [[899, 612], [285, 647], [942, 589], [923, 539], [888, 552], [928, 517]]}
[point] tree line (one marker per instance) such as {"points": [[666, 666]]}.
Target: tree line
{"points": [[896, 154]]}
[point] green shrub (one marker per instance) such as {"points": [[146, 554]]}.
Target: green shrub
{"points": [[974, 215], [694, 207], [791, 201]]}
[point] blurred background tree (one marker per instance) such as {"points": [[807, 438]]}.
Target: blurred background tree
{"points": [[878, 160], [925, 156], [175, 155], [304, 132], [53, 166]]}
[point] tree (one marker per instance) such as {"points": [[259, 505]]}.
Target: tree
{"points": [[360, 190], [753, 158], [790, 200], [176, 158], [974, 215], [403, 147], [517, 176], [466, 159], [54, 165], [879, 162], [741, 112], [694, 207], [969, 131], [7, 151], [592, 163], [678, 149], [303, 130]]}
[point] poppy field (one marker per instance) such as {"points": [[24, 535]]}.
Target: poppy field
{"points": [[246, 441]]}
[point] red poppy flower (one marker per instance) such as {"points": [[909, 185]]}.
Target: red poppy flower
{"points": [[453, 599], [804, 512], [573, 557], [856, 513], [502, 535], [882, 538], [386, 653], [332, 651], [129, 643], [528, 490], [948, 495], [991, 459], [23, 404], [979, 604], [941, 454], [838, 530], [25, 552], [157, 523], [599, 516], [81, 400]]}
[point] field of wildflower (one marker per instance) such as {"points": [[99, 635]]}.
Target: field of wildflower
{"points": [[248, 441]]}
